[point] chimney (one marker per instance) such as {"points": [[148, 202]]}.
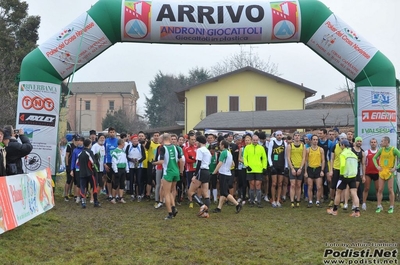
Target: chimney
{"points": [[323, 96]]}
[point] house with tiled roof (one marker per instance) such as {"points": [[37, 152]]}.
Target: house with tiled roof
{"points": [[89, 103], [340, 100], [244, 90]]}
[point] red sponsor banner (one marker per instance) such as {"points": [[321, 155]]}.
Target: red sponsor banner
{"points": [[378, 115], [23, 197]]}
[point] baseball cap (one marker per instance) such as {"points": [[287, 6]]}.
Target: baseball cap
{"points": [[346, 143]]}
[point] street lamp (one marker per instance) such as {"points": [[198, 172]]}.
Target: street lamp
{"points": [[80, 116]]}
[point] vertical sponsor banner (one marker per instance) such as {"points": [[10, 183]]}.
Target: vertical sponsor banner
{"points": [[342, 47], [23, 197], [83, 38], [216, 22], [377, 114], [37, 113]]}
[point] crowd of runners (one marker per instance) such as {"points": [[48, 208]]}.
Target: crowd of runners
{"points": [[255, 169]]}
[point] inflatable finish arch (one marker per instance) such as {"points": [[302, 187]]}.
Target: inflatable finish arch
{"points": [[202, 22]]}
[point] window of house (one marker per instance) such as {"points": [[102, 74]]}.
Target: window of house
{"points": [[111, 105], [234, 103], [261, 103], [211, 105], [87, 104]]}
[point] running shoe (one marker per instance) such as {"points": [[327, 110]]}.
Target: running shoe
{"points": [[391, 209], [292, 204], [122, 200], [309, 205], [331, 212], [297, 204], [379, 209], [355, 214], [191, 205], [318, 204], [113, 201], [96, 204], [238, 208], [202, 209], [278, 204], [331, 203], [273, 204], [66, 199], [345, 207], [341, 205], [174, 212], [217, 210], [158, 205], [259, 205], [169, 217], [83, 205], [266, 198], [364, 206]]}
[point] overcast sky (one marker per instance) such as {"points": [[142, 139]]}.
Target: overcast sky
{"points": [[374, 20]]}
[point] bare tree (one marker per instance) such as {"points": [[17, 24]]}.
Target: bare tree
{"points": [[244, 59]]}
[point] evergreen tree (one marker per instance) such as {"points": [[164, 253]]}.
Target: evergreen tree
{"points": [[163, 107], [18, 37]]}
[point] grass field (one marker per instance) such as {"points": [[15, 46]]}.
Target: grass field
{"points": [[136, 233]]}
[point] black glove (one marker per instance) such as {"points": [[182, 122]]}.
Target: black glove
{"points": [[286, 172], [249, 168], [265, 171], [273, 170]]}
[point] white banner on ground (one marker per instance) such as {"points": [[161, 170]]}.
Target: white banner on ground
{"points": [[23, 197]]}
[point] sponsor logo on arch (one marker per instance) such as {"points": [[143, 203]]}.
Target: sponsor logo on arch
{"points": [[37, 103], [379, 115]]}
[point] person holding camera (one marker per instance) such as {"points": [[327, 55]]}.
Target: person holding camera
{"points": [[16, 150], [4, 139]]}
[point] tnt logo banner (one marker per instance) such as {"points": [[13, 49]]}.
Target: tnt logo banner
{"points": [[136, 20], [285, 20]]}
